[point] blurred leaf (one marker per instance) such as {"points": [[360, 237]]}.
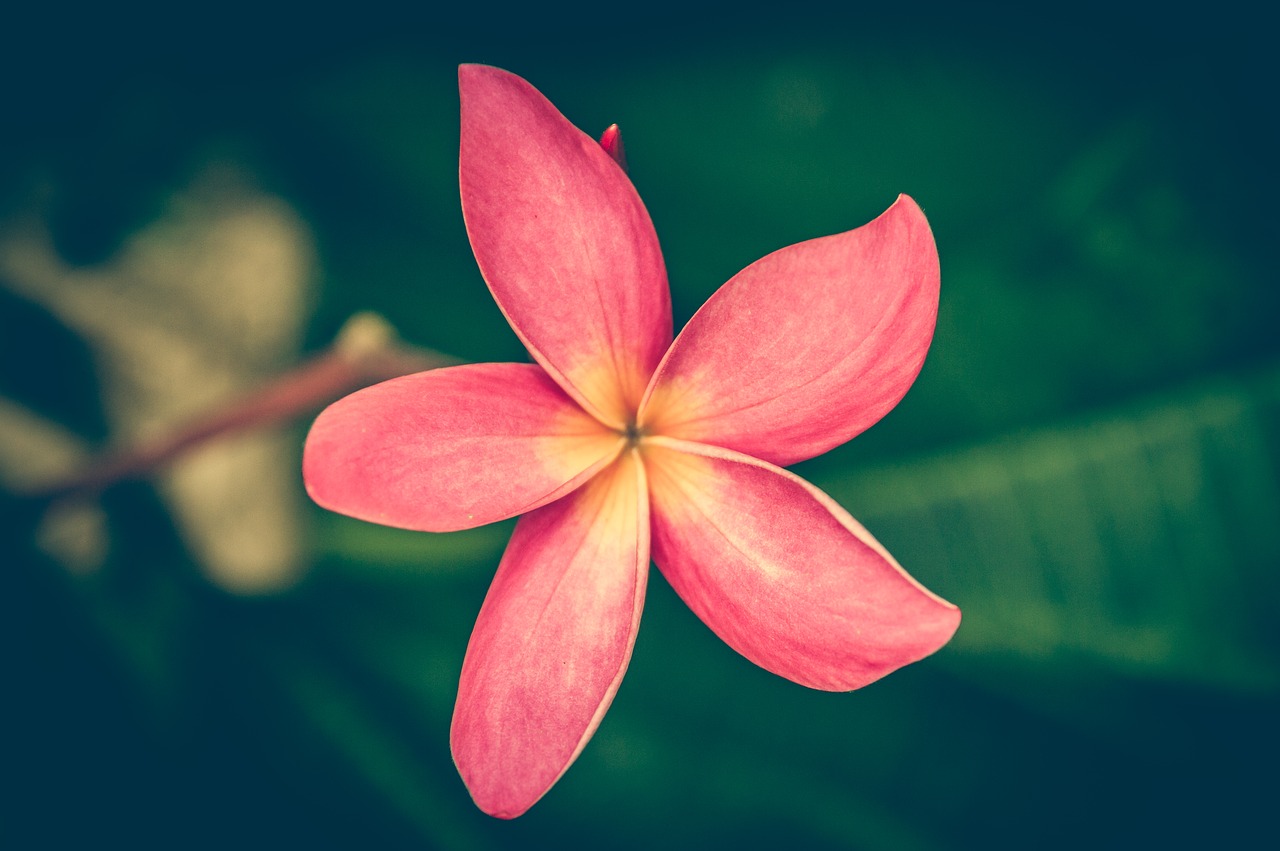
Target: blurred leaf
{"points": [[1143, 539], [201, 304]]}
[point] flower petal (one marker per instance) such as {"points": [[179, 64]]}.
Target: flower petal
{"points": [[553, 640], [564, 242], [806, 347], [453, 448], [782, 573]]}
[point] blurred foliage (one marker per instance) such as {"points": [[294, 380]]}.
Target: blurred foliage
{"points": [[1089, 464]]}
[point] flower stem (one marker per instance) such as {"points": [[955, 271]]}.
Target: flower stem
{"points": [[365, 352]]}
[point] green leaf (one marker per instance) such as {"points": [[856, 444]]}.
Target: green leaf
{"points": [[1143, 539]]}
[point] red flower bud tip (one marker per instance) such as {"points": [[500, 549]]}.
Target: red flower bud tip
{"points": [[611, 141]]}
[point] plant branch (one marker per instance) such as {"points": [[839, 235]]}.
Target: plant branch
{"points": [[365, 352]]}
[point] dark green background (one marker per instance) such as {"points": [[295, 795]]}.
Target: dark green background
{"points": [[1089, 464]]}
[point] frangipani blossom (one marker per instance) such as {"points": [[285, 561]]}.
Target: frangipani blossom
{"points": [[619, 445]]}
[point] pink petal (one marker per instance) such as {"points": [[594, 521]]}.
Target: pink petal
{"points": [[564, 242], [453, 448], [782, 573], [806, 347], [553, 640]]}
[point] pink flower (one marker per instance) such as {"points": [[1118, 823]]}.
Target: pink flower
{"points": [[620, 444]]}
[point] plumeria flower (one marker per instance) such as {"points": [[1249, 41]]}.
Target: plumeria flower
{"points": [[619, 445]]}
